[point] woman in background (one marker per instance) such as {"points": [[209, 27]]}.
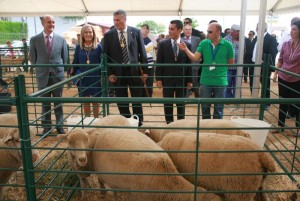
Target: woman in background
{"points": [[288, 85], [88, 52]]}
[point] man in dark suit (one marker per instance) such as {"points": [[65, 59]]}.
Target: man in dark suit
{"points": [[125, 45], [194, 41], [269, 47], [249, 46], [173, 79], [49, 48]]}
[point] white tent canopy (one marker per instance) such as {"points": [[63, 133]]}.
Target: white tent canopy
{"points": [[15, 8]]}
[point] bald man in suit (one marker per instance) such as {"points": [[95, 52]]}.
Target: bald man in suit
{"points": [[126, 39], [49, 48]]}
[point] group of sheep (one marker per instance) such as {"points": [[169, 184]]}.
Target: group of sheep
{"points": [[10, 153], [129, 160], [160, 165]]}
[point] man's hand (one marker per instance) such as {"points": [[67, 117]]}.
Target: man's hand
{"points": [[159, 84], [182, 46], [112, 78], [189, 85], [144, 78]]}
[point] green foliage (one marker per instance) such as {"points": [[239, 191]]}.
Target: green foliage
{"points": [[12, 31], [194, 23], [154, 27]]}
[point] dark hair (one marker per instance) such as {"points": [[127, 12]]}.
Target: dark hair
{"points": [[252, 32], [189, 19], [212, 21], [120, 12], [178, 23], [145, 25], [297, 24]]}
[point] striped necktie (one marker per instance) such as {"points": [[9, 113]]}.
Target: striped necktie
{"points": [[48, 44], [125, 58]]}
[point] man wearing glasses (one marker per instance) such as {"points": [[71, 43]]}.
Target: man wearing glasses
{"points": [[214, 50], [195, 32]]}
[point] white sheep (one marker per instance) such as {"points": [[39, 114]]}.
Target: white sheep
{"points": [[11, 158], [80, 160], [136, 162], [223, 126], [243, 162], [7, 120]]}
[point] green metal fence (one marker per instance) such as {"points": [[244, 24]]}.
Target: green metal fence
{"points": [[51, 177]]}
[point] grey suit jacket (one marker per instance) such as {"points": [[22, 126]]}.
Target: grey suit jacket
{"points": [[39, 55], [194, 44]]}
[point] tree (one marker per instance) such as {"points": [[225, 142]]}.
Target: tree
{"points": [[194, 23], [154, 27]]}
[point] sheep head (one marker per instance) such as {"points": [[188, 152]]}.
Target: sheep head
{"points": [[77, 139]]}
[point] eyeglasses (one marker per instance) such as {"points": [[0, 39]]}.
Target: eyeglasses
{"points": [[186, 22], [250, 34], [209, 31]]}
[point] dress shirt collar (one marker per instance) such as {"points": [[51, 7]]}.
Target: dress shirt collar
{"points": [[124, 31], [51, 35], [178, 40]]}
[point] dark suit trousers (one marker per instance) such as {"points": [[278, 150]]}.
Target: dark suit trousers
{"points": [[46, 107], [288, 90], [168, 92], [251, 74], [135, 91]]}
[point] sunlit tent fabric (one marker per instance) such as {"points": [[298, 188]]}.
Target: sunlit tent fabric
{"points": [[140, 7]]}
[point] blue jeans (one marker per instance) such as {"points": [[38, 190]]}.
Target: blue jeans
{"points": [[212, 92], [231, 78]]}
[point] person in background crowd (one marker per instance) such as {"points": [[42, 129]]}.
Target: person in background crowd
{"points": [[49, 48], [196, 71], [148, 91], [88, 52], [10, 50], [24, 50], [227, 31], [234, 39], [78, 39], [173, 79], [124, 45], [249, 46], [289, 85], [269, 47], [213, 82], [195, 32]]}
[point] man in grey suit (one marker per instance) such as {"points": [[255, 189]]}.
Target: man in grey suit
{"points": [[125, 45], [49, 48], [194, 41]]}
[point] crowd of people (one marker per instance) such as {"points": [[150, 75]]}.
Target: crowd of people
{"points": [[125, 45]]}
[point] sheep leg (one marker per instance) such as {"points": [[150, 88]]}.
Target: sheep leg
{"points": [[102, 186], [84, 183]]}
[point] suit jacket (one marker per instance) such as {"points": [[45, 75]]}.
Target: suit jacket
{"points": [[39, 55], [270, 46], [165, 55], [194, 44], [249, 47], [136, 50]]}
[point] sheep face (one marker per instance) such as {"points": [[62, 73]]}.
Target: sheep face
{"points": [[12, 139], [77, 139]]}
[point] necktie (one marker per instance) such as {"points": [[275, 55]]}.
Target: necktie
{"points": [[175, 49], [187, 38], [48, 44], [125, 58]]}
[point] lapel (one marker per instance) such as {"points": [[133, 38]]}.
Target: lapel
{"points": [[129, 36], [41, 40]]}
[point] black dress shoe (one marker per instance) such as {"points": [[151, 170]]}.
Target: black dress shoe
{"points": [[46, 131], [60, 131]]}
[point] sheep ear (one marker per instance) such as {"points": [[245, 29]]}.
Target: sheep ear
{"points": [[9, 135], [62, 136]]}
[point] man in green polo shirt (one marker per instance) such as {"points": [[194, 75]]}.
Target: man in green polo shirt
{"points": [[214, 50]]}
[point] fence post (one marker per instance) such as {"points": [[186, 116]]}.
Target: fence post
{"points": [[23, 124], [105, 81]]}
